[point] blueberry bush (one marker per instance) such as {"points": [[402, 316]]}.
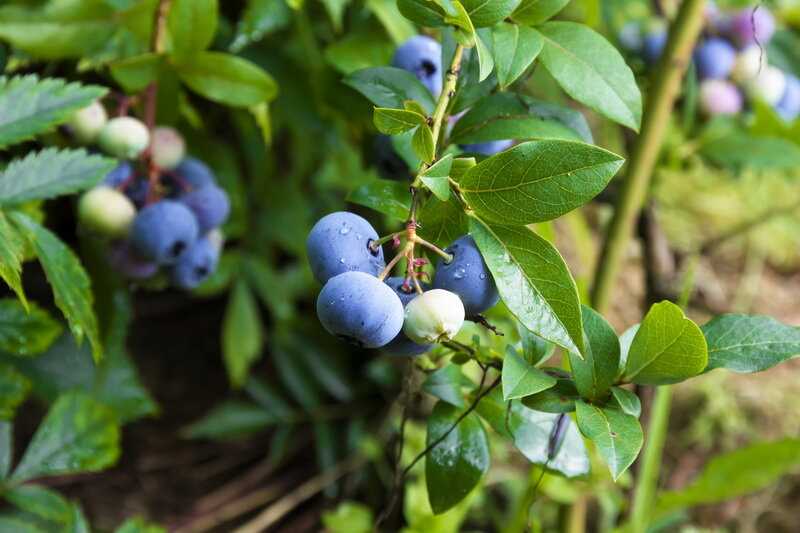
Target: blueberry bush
{"points": [[426, 344]]}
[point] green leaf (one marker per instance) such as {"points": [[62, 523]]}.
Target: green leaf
{"points": [[348, 517], [749, 343], [559, 399], [485, 59], [6, 448], [738, 150], [398, 28], [50, 173], [139, 525], [422, 12], [242, 336], [534, 348], [484, 14], [596, 371], [456, 465], [437, 177], [231, 419], [227, 79], [618, 436], [446, 384], [70, 283], [442, 222], [32, 106], [533, 282], [260, 18], [735, 474], [360, 50], [43, 503], [25, 333], [460, 167], [392, 121], [591, 71], [336, 10], [422, 143], [14, 389], [534, 12], [77, 435], [390, 87], [514, 49], [530, 432], [192, 25], [136, 73], [538, 181], [514, 116], [627, 401], [12, 254], [667, 348], [521, 378], [385, 196]]}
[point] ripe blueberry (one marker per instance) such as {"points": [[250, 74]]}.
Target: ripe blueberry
{"points": [[119, 175], [468, 276], [209, 204], [422, 56], [402, 345], [340, 242], [87, 123], [361, 309], [434, 316], [789, 105], [162, 231], [487, 148], [196, 264], [195, 173], [106, 211], [719, 97], [167, 147], [715, 58], [124, 259], [124, 137], [653, 45]]}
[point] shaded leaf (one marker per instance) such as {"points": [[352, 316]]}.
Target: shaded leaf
{"points": [[227, 79], [618, 436], [25, 333], [446, 384], [392, 121], [596, 371], [192, 25], [442, 222], [520, 378], [14, 389], [242, 336], [560, 398], [231, 419], [12, 253], [390, 87], [385, 196], [423, 143]]}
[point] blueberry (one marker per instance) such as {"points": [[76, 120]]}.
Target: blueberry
{"points": [[715, 58], [194, 173], [167, 147], [630, 36], [340, 242], [388, 162], [789, 105], [752, 25], [653, 45], [434, 316], [422, 56], [361, 309], [119, 175], [196, 264], [402, 345], [124, 137], [162, 231], [468, 276], [137, 190], [487, 148], [124, 260], [87, 123], [106, 211], [720, 97], [209, 204]]}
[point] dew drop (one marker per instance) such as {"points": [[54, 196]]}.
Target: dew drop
{"points": [[345, 229], [482, 276], [460, 273], [341, 260]]}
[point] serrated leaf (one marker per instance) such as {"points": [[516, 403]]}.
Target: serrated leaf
{"points": [[521, 378], [596, 371], [227, 79], [393, 121], [534, 12], [668, 348], [51, 173], [446, 384], [627, 401], [442, 222], [70, 283], [192, 25], [242, 336], [25, 333], [12, 253], [456, 465], [538, 181], [77, 435], [385, 196], [30, 106], [423, 143], [618, 436], [14, 389], [749, 343], [514, 49], [591, 71], [390, 87], [533, 281]]}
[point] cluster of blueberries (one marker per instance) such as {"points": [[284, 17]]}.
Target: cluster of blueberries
{"points": [[422, 56], [355, 304], [731, 61], [160, 209]]}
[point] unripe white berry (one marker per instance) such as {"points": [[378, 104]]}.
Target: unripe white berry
{"points": [[216, 238], [87, 123], [768, 85], [106, 211], [434, 316], [167, 147], [124, 137], [748, 64]]}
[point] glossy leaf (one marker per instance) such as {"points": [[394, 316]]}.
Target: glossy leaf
{"points": [[442, 222], [31, 106], [392, 121], [533, 282], [618, 436], [627, 401], [227, 79], [242, 337], [596, 371], [538, 181], [514, 48], [534, 12], [437, 177], [446, 384], [521, 378], [422, 12], [14, 389], [25, 333], [385, 196], [69, 281], [50, 173], [560, 398], [591, 71], [390, 87], [77, 435], [192, 25], [535, 349], [667, 348], [423, 143], [749, 343], [484, 14]]}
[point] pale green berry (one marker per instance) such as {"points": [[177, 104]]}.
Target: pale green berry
{"points": [[106, 211], [124, 137], [748, 63], [434, 316], [167, 147], [768, 85], [87, 123]]}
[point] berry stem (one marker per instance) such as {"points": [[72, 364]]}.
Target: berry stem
{"points": [[376, 244], [448, 258], [151, 95], [393, 263]]}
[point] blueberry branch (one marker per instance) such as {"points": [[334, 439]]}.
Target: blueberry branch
{"points": [[151, 93], [438, 251]]}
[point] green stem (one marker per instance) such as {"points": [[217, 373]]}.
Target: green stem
{"points": [[448, 91], [660, 101]]}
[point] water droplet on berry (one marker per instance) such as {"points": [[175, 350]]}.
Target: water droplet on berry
{"points": [[344, 230], [482, 276], [341, 260], [460, 274]]}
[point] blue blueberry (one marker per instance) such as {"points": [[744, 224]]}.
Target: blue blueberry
{"points": [[487, 148], [402, 345], [194, 173], [195, 264], [653, 45], [209, 204], [117, 177], [468, 276], [788, 106], [360, 309], [630, 36], [340, 242], [137, 190], [124, 260], [715, 58], [162, 231], [422, 56]]}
